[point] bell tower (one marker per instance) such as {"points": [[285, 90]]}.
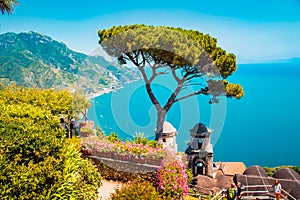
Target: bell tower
{"points": [[200, 151]]}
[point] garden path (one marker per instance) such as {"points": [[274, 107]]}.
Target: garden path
{"points": [[106, 189]]}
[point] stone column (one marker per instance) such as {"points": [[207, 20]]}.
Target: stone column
{"points": [[209, 165]]}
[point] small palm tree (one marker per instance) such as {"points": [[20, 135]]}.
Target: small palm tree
{"points": [[6, 6]]}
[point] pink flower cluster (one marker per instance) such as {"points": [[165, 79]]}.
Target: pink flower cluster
{"points": [[172, 178], [127, 148], [93, 145]]}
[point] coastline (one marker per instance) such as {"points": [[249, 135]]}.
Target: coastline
{"points": [[102, 92], [108, 90]]}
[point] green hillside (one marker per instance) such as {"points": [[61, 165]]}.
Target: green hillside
{"points": [[35, 60]]}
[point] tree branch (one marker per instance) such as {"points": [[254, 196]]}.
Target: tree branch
{"points": [[144, 59], [154, 73], [148, 82], [174, 75], [148, 61], [202, 91], [193, 76], [171, 100], [173, 96], [152, 97], [141, 69], [132, 59]]}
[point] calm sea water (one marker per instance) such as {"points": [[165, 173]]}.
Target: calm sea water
{"points": [[262, 128]]}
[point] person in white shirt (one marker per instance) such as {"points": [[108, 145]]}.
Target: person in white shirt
{"points": [[277, 189]]}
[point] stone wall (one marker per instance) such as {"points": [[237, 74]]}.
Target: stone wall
{"points": [[124, 171], [126, 165], [108, 156]]}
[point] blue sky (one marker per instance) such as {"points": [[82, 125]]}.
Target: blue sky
{"points": [[254, 30]]}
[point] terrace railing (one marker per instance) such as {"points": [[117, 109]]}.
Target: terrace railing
{"points": [[254, 192]]}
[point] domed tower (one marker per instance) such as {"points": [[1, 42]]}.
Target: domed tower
{"points": [[200, 151], [169, 137]]}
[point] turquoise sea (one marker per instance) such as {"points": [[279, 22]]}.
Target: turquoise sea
{"points": [[262, 128]]}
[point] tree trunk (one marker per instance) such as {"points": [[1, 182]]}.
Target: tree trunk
{"points": [[69, 128], [85, 116], [161, 115]]}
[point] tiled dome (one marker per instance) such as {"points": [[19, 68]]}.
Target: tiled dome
{"points": [[199, 128], [255, 171], [286, 173]]}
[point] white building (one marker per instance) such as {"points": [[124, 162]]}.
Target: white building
{"points": [[169, 137]]}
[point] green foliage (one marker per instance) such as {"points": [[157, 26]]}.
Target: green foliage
{"points": [[87, 130], [35, 159], [153, 143], [74, 141], [190, 175], [162, 43], [140, 139], [30, 159], [233, 90], [81, 178], [113, 137], [80, 104], [100, 133], [190, 52], [6, 6], [191, 198], [137, 190], [55, 101]]}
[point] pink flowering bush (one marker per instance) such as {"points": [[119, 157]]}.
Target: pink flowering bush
{"points": [[172, 178], [122, 148]]}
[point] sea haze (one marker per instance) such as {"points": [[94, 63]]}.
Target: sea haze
{"points": [[262, 128]]}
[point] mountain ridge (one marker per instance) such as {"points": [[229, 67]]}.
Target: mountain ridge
{"points": [[33, 59]]}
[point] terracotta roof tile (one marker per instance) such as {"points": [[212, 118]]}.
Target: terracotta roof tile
{"points": [[232, 168]]}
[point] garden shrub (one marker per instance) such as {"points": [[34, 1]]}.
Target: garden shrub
{"points": [[136, 190], [81, 178], [113, 137], [100, 133], [190, 176], [86, 131], [75, 141], [140, 139], [30, 151], [35, 160], [172, 178]]}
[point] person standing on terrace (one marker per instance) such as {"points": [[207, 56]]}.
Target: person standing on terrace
{"points": [[277, 189]]}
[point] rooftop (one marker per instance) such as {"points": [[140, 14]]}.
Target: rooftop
{"points": [[231, 168], [168, 128]]}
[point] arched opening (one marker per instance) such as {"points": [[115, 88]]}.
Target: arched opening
{"points": [[200, 142], [199, 166]]}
